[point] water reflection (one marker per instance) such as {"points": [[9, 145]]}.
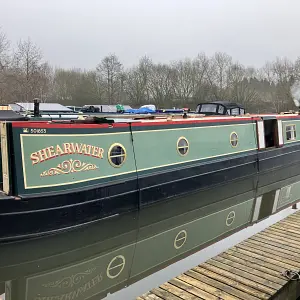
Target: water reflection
{"points": [[106, 256]]}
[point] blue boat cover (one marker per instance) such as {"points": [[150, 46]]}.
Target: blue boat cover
{"points": [[143, 110]]}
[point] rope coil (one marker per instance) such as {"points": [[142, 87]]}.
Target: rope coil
{"points": [[291, 274]]}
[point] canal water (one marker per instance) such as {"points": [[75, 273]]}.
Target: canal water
{"points": [[124, 256]]}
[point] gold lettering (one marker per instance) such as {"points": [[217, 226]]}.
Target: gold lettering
{"points": [[88, 149], [43, 154], [95, 151], [51, 152], [76, 148], [59, 151], [34, 157], [67, 148], [100, 153], [83, 149]]}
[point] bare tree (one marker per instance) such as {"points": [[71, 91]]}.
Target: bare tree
{"points": [[4, 51], [135, 86], [160, 84], [29, 70], [218, 75], [183, 80], [110, 69]]}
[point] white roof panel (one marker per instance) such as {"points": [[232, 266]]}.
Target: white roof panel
{"points": [[45, 107]]}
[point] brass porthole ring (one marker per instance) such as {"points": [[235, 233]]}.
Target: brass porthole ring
{"points": [[234, 139], [183, 146], [117, 155]]}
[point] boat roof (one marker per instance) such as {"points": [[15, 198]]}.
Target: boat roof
{"points": [[224, 103], [106, 107], [44, 107], [10, 115]]}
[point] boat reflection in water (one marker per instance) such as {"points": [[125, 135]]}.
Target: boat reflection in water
{"points": [[113, 253]]}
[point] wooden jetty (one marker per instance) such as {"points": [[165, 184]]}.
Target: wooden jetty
{"points": [[257, 268]]}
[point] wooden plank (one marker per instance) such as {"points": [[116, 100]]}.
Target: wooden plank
{"points": [[283, 238], [150, 296], [291, 230], [279, 241], [224, 284], [228, 278], [254, 264], [251, 270], [255, 260], [294, 216], [209, 288], [202, 294], [274, 252], [244, 277], [288, 229], [164, 294], [276, 244], [287, 224], [178, 292], [285, 264], [283, 233]]}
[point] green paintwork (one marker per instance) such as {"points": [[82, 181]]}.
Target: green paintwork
{"points": [[91, 275], [153, 149], [160, 248], [204, 142], [289, 194], [33, 143], [83, 280]]}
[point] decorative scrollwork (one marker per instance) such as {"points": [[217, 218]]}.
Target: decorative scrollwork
{"points": [[69, 166], [68, 282]]}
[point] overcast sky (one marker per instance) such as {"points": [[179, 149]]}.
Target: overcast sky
{"points": [[79, 33]]}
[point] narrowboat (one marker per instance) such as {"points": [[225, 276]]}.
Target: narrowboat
{"points": [[62, 174]]}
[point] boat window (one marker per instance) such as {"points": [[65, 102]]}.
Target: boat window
{"points": [[234, 139], [235, 111], [208, 108], [242, 111], [116, 155], [182, 146], [290, 132], [221, 109]]}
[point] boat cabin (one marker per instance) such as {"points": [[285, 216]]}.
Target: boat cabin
{"points": [[220, 108]]}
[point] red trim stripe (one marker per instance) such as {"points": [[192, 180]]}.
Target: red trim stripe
{"points": [[61, 125], [47, 124]]}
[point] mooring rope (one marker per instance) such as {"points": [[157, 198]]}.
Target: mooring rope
{"points": [[291, 274]]}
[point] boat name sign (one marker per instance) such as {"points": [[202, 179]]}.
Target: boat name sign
{"points": [[66, 149]]}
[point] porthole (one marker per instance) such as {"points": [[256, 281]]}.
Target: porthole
{"points": [[230, 218], [234, 139], [180, 239], [182, 146], [116, 155]]}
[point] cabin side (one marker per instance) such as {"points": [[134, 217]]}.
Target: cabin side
{"points": [[43, 158]]}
